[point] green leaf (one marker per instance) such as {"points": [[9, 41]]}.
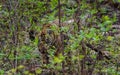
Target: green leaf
{"points": [[105, 18], [81, 56], [59, 59], [2, 72], [38, 71], [109, 38]]}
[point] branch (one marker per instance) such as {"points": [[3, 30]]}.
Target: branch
{"points": [[103, 53]]}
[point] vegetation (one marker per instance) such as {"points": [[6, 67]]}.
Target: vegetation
{"points": [[59, 37]]}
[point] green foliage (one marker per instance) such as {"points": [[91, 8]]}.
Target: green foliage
{"points": [[59, 59], [18, 18]]}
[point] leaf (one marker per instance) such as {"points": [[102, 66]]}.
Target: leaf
{"points": [[109, 38], [26, 72], [36, 41], [38, 71], [81, 56], [1, 72], [105, 18], [74, 58], [13, 70], [108, 22], [21, 67], [59, 59], [94, 11], [65, 29]]}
